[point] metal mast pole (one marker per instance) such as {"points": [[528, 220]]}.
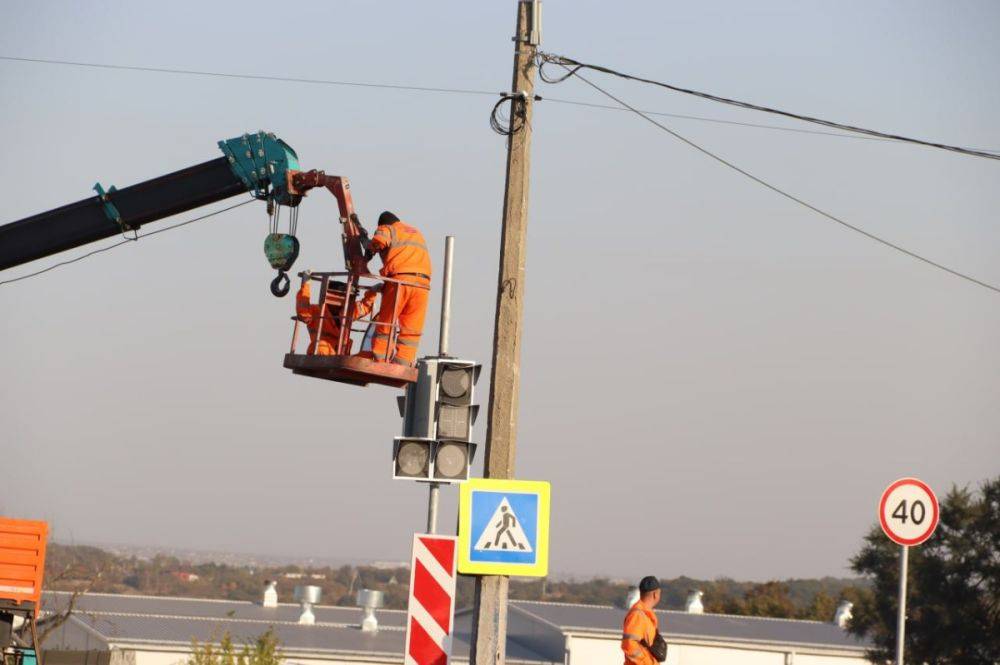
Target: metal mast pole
{"points": [[434, 495], [901, 617], [489, 627]]}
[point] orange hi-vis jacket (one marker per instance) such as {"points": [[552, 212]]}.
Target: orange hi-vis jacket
{"points": [[404, 256], [640, 625], [403, 250], [323, 339]]}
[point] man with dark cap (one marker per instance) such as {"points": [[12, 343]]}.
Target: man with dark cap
{"points": [[405, 258], [641, 626]]}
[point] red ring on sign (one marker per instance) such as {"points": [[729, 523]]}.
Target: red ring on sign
{"points": [[934, 514]]}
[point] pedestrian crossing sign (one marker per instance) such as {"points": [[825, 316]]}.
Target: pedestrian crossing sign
{"points": [[503, 527]]}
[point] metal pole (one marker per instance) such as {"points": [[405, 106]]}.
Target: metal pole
{"points": [[432, 507], [489, 625], [434, 493], [901, 618], [449, 250]]}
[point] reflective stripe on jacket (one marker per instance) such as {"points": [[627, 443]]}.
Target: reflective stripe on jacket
{"points": [[403, 250], [640, 625]]}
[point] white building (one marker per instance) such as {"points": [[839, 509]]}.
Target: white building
{"points": [[109, 629]]}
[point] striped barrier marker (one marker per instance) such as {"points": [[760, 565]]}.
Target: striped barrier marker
{"points": [[430, 613]]}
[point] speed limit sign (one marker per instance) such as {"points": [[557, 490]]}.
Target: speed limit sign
{"points": [[908, 511]]}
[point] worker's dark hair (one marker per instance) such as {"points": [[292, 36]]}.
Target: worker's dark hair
{"points": [[387, 218], [648, 584]]}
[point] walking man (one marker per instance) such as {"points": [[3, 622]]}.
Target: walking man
{"points": [[641, 627]]}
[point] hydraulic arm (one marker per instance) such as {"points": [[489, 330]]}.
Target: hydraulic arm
{"points": [[257, 163]]}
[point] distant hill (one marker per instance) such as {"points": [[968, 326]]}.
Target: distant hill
{"points": [[70, 567]]}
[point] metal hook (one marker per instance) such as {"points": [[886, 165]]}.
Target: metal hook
{"points": [[280, 285]]}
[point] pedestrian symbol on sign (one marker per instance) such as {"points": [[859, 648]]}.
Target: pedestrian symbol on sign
{"points": [[504, 531]]}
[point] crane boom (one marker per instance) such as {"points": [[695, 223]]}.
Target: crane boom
{"points": [[253, 162]]}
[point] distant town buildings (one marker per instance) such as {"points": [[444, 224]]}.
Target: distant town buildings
{"points": [[148, 630]]}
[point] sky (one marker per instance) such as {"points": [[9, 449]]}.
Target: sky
{"points": [[715, 380]]}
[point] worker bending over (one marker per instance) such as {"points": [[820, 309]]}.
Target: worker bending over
{"points": [[404, 257], [323, 335], [640, 634]]}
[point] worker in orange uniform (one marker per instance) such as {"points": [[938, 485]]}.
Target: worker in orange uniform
{"points": [[404, 257], [641, 630], [308, 313]]}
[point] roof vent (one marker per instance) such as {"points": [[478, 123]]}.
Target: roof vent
{"points": [[693, 603], [843, 614], [307, 597], [632, 597], [270, 594], [370, 600]]}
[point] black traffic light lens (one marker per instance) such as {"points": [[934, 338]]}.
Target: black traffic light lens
{"points": [[452, 461], [456, 382], [413, 459]]}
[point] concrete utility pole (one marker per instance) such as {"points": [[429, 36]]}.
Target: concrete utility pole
{"points": [[489, 628]]}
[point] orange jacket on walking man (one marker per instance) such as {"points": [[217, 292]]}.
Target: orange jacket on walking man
{"points": [[404, 257], [641, 641]]}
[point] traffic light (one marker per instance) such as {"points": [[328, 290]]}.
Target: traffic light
{"points": [[419, 458], [456, 414], [411, 457], [438, 415]]}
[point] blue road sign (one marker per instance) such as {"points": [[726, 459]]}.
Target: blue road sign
{"points": [[503, 527]]}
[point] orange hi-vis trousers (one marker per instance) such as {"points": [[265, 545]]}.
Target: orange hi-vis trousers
{"points": [[410, 305]]}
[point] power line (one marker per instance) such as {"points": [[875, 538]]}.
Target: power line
{"points": [[415, 88], [795, 130], [777, 190], [574, 66], [124, 242], [253, 77]]}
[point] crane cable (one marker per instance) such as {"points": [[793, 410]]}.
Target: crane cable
{"points": [[572, 68], [575, 72], [125, 242]]}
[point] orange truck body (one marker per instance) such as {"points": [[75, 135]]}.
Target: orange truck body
{"points": [[22, 560]]}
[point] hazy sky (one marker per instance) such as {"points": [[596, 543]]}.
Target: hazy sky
{"points": [[715, 380]]}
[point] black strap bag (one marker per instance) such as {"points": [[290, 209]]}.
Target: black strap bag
{"points": [[658, 648]]}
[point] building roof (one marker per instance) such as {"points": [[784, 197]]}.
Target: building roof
{"points": [[536, 627], [137, 621], [607, 620]]}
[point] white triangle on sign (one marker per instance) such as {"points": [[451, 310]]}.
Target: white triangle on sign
{"points": [[503, 533]]}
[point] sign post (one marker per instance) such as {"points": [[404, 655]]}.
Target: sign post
{"points": [[908, 512], [430, 612]]}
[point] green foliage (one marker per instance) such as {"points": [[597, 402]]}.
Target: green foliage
{"points": [[162, 575], [261, 651], [953, 600]]}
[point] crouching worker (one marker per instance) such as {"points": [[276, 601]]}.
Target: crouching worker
{"points": [[404, 257], [322, 339]]}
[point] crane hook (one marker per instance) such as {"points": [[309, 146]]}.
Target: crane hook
{"points": [[280, 285]]}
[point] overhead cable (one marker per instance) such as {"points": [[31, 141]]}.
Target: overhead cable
{"points": [[573, 66], [253, 77], [459, 91], [777, 190], [125, 242], [737, 123]]}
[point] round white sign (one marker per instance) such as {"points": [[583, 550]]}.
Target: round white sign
{"points": [[908, 511]]}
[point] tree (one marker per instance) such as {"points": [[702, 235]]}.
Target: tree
{"points": [[953, 597], [261, 651]]}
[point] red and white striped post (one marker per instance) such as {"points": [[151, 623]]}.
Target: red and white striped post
{"points": [[430, 613]]}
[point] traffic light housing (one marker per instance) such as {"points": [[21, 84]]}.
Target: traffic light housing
{"points": [[438, 416], [420, 458], [455, 413]]}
